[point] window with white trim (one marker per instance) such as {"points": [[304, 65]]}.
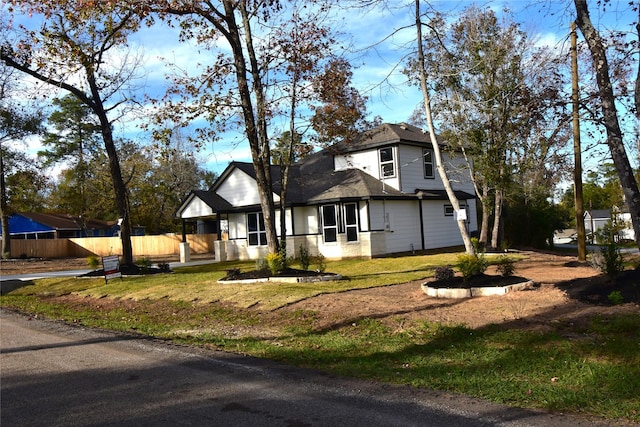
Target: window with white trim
{"points": [[387, 163], [351, 221], [329, 223], [427, 156], [256, 233]]}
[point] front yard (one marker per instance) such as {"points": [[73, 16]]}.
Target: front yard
{"points": [[538, 349]]}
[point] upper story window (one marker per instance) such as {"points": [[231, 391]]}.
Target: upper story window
{"points": [[427, 156], [387, 163]]}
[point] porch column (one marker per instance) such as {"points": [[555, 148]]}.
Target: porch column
{"points": [[185, 252]]}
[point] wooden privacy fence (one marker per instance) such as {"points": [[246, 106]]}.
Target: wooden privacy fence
{"points": [[166, 244]]}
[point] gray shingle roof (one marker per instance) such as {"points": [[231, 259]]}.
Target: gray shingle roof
{"points": [[387, 133], [313, 180]]}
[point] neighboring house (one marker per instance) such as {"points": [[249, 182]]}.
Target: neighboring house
{"points": [[35, 225], [595, 220], [378, 195]]}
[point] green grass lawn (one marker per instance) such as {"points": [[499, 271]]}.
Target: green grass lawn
{"points": [[592, 369]]}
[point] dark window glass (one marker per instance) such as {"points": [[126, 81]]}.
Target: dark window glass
{"points": [[428, 163]]}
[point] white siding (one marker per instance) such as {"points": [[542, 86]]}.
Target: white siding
{"points": [[367, 161], [364, 216], [237, 226], [412, 171], [240, 189], [196, 209], [441, 231], [306, 220], [404, 232], [377, 211]]}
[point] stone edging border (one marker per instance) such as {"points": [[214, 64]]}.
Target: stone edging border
{"points": [[299, 279], [475, 292]]}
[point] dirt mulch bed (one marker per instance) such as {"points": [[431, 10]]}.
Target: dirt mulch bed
{"points": [[565, 294]]}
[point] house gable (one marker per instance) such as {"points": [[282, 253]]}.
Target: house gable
{"points": [[195, 207], [239, 188]]}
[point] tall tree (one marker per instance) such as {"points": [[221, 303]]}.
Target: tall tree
{"points": [[73, 46], [300, 44], [244, 80], [17, 175], [163, 174], [610, 120], [500, 111], [211, 95], [423, 77], [75, 142], [341, 113]]}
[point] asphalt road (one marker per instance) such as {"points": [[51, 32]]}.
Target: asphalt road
{"points": [[54, 374]]}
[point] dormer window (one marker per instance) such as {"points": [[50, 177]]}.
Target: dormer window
{"points": [[387, 163]]}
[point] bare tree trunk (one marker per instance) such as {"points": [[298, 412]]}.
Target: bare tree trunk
{"points": [[256, 132], [610, 115], [4, 213], [462, 226], [497, 209], [486, 214], [637, 88]]}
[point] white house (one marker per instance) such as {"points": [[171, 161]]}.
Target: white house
{"points": [[596, 219], [378, 195]]}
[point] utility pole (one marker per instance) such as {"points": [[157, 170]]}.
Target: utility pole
{"points": [[577, 169]]}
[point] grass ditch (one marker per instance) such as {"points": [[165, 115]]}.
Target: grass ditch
{"points": [[592, 369]]}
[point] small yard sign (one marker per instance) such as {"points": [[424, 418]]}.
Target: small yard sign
{"points": [[111, 266]]}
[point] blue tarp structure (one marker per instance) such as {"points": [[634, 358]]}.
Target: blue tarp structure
{"points": [[19, 224], [37, 225]]}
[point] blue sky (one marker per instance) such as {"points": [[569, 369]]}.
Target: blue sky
{"points": [[546, 21]]}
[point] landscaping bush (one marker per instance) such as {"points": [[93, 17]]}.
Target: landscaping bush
{"points": [[443, 273], [144, 263], [304, 258], [615, 297], [282, 251], [506, 266], [471, 265], [276, 263], [321, 263], [261, 264], [609, 260], [93, 261]]}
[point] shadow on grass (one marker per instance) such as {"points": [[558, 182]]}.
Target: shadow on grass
{"points": [[7, 286]]}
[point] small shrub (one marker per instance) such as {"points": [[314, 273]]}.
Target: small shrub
{"points": [[93, 262], [615, 297], [164, 266], [232, 273], [506, 266], [261, 264], [609, 260], [471, 265], [282, 251], [304, 258], [144, 263], [478, 248], [321, 263], [275, 262], [443, 273]]}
